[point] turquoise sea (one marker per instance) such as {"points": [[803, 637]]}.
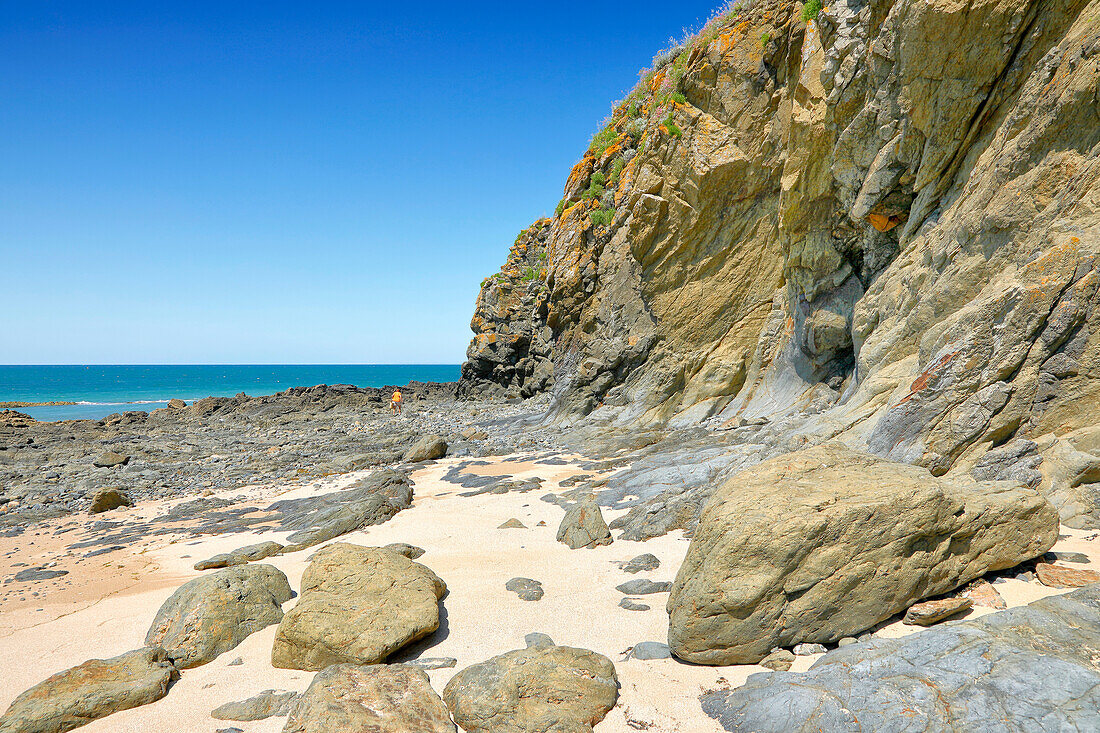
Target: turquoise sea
{"points": [[101, 390]]}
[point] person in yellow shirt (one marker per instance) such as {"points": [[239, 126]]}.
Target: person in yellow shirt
{"points": [[395, 402]]}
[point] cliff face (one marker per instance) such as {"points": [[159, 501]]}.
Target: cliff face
{"points": [[885, 219]]}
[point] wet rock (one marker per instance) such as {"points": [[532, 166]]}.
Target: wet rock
{"points": [[1060, 576], [110, 459], [927, 613], [377, 698], [1028, 668], [525, 588], [107, 499], [240, 556], [91, 691], [642, 587], [427, 448], [358, 605], [641, 563], [214, 613], [541, 688], [743, 589], [264, 705], [583, 525]]}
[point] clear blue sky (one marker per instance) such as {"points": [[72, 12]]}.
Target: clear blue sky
{"points": [[287, 182]]}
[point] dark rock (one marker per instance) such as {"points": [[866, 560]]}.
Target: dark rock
{"points": [[583, 525], [525, 588], [632, 604], [642, 587], [38, 574], [1027, 668], [427, 448], [641, 563], [651, 650]]}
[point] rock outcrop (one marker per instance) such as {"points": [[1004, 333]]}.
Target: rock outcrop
{"points": [[358, 605], [426, 448], [214, 613], [377, 698], [1028, 668], [91, 691], [881, 220], [534, 690], [826, 542]]}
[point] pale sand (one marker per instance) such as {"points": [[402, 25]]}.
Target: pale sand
{"points": [[105, 604]]}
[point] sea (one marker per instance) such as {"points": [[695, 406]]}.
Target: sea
{"points": [[99, 390]]}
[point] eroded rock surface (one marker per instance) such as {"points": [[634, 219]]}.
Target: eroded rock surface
{"points": [[213, 613], [1028, 668], [583, 525], [826, 542], [90, 691], [358, 605]]}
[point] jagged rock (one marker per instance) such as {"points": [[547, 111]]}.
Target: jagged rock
{"points": [[214, 613], [240, 556], [110, 459], [369, 501], [389, 698], [525, 588], [540, 688], [874, 537], [1059, 576], [927, 613], [266, 704], [583, 525], [176, 404], [982, 593], [108, 499], [358, 605], [1028, 668], [641, 563], [427, 448], [91, 691], [403, 548]]}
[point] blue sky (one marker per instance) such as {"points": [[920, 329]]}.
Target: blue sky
{"points": [[287, 182]]}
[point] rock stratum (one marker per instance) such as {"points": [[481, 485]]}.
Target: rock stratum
{"points": [[882, 220]]}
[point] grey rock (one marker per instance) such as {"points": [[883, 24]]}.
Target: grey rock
{"points": [[427, 448], [213, 613], [91, 691], [526, 588], [536, 638], [1078, 557], [1027, 668], [258, 707], [38, 574], [643, 586], [404, 548], [651, 650], [240, 556], [641, 563], [541, 688], [386, 698], [583, 525], [805, 650], [633, 604], [110, 459]]}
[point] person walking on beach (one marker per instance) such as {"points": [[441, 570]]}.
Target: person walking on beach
{"points": [[395, 402]]}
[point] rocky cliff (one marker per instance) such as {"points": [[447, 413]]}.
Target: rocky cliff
{"points": [[881, 219]]}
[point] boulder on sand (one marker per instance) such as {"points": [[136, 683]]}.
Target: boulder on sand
{"points": [[534, 690], [826, 542], [214, 613], [583, 525], [266, 704], [108, 499], [377, 698], [358, 606], [90, 691], [240, 556], [427, 448]]}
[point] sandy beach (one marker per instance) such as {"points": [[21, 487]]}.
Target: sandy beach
{"points": [[104, 604]]}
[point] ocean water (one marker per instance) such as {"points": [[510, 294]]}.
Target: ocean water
{"points": [[101, 390]]}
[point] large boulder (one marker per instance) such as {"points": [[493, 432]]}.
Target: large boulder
{"points": [[358, 606], [90, 691], [368, 501], [214, 613], [583, 525], [826, 542], [1029, 668], [107, 499], [427, 448], [534, 690], [376, 698]]}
